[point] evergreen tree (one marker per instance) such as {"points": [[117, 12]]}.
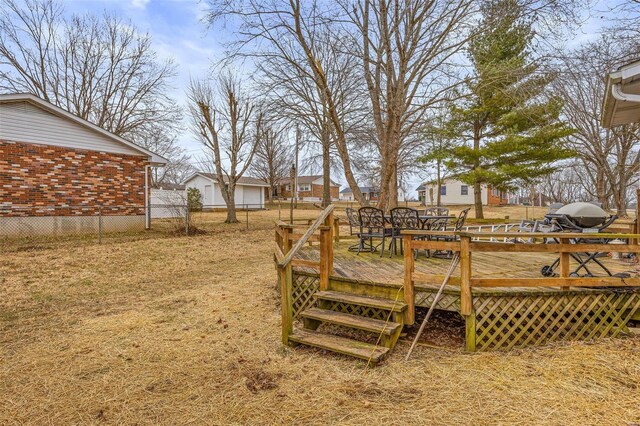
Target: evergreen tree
{"points": [[510, 128]]}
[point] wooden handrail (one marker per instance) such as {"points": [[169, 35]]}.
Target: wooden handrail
{"points": [[522, 234], [313, 228]]}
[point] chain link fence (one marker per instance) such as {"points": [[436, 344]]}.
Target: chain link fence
{"points": [[32, 227]]}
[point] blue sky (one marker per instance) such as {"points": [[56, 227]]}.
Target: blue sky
{"points": [[178, 32]]}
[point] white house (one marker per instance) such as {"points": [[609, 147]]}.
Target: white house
{"points": [[455, 192], [250, 192]]}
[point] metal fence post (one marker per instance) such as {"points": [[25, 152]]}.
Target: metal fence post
{"points": [[186, 222], [100, 225], [246, 209]]}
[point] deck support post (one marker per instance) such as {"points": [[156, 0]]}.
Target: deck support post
{"points": [[409, 294], [470, 332], [326, 252], [565, 259], [466, 302], [286, 285]]}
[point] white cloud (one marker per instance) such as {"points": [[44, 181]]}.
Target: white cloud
{"points": [[140, 4]]}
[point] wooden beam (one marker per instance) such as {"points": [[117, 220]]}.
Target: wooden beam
{"points": [[325, 261], [556, 282], [305, 263], [436, 279], [319, 221], [286, 285], [466, 302], [435, 245], [409, 294], [500, 247]]}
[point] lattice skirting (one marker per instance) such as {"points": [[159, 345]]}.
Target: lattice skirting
{"points": [[303, 288], [447, 302], [506, 322]]}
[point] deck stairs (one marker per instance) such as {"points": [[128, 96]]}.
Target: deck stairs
{"points": [[380, 318]]}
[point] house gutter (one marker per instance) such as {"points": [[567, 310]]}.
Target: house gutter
{"points": [[616, 91]]}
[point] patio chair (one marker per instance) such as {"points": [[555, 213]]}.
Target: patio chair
{"points": [[354, 223], [457, 227], [372, 225], [402, 218], [353, 220], [436, 211]]}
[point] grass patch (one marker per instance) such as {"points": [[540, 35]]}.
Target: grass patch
{"points": [[176, 330]]}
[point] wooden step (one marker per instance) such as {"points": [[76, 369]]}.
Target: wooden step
{"points": [[352, 321], [354, 299], [341, 345]]}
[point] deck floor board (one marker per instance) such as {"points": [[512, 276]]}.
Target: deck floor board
{"points": [[371, 267]]}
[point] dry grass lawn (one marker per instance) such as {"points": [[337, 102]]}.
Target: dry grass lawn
{"points": [[187, 331]]}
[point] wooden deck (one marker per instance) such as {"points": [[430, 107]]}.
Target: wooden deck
{"points": [[370, 267]]}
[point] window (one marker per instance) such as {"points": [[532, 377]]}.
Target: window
{"points": [[304, 187], [464, 190], [443, 190], [288, 187]]}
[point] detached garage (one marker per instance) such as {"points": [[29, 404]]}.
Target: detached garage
{"points": [[250, 192], [62, 174]]}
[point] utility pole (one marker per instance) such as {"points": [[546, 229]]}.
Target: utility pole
{"points": [[293, 190], [295, 194]]}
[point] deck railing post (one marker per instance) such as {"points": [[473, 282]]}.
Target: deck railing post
{"points": [[326, 257], [466, 301], [286, 285], [409, 265], [565, 259], [336, 229], [286, 240]]}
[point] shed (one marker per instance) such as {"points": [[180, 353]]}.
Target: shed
{"points": [[249, 193]]}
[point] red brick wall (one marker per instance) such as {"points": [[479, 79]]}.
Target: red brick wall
{"points": [[496, 200], [40, 175]]}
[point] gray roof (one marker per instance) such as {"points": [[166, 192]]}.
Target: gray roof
{"points": [[363, 189], [308, 179], [244, 180], [421, 187], [170, 186]]}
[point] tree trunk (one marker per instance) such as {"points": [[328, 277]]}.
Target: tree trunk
{"points": [[477, 197], [326, 167], [439, 180], [600, 188], [230, 200], [393, 189]]}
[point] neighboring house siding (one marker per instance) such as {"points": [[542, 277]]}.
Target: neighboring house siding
{"points": [[252, 196], [24, 122], [454, 194], [41, 175]]}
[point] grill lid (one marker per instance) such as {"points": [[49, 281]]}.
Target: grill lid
{"points": [[583, 214]]}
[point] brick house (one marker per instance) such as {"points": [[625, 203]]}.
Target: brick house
{"points": [[310, 188], [58, 172]]}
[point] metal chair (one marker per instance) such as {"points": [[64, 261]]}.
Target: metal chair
{"points": [[352, 218], [402, 218], [436, 211], [372, 225], [457, 227]]}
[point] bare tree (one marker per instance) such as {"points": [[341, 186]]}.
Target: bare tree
{"points": [[230, 127], [291, 32], [610, 157], [405, 48], [273, 158], [97, 67]]}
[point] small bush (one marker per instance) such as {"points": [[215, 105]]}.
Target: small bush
{"points": [[194, 199]]}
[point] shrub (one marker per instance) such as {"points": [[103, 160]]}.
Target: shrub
{"points": [[194, 199]]}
